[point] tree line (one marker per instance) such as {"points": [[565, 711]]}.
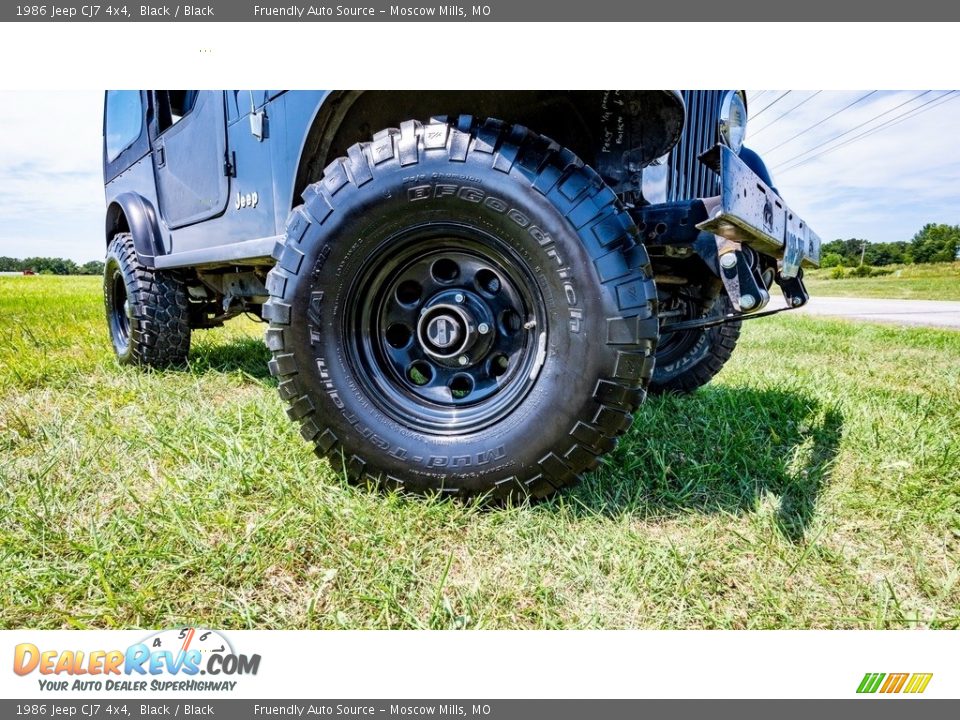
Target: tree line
{"points": [[50, 266], [933, 243]]}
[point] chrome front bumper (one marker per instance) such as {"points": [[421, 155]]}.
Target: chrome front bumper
{"points": [[750, 212]]}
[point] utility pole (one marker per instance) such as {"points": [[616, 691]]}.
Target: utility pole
{"points": [[863, 250]]}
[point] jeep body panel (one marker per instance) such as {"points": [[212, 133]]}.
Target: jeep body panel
{"points": [[208, 190]]}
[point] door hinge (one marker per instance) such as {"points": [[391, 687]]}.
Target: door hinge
{"points": [[230, 164]]}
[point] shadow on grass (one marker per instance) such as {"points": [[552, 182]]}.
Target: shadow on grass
{"points": [[247, 355], [722, 449]]}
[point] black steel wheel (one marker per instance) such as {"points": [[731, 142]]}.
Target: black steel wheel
{"points": [[118, 310], [461, 307], [449, 341]]}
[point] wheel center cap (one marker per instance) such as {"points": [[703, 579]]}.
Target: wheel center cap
{"points": [[446, 330], [443, 331]]}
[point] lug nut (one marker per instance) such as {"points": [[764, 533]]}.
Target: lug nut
{"points": [[747, 301], [463, 360], [483, 328], [458, 297], [728, 260]]}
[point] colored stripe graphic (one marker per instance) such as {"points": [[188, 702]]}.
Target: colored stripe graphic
{"points": [[894, 683], [918, 683], [870, 682]]}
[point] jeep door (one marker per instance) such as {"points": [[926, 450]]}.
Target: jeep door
{"points": [[189, 146]]}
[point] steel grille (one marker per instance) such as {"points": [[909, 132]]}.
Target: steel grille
{"points": [[688, 177]]}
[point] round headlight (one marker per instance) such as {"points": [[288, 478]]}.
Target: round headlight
{"points": [[733, 120]]}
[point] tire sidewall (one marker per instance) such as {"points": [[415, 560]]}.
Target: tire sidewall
{"points": [[544, 241], [117, 263], [692, 356], [690, 370]]}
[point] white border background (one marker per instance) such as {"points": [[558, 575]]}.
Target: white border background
{"points": [[457, 55], [537, 664], [404, 55]]}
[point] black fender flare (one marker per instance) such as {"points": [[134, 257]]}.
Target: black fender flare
{"points": [[133, 213]]}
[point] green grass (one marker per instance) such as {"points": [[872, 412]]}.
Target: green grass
{"points": [[816, 483], [933, 281]]}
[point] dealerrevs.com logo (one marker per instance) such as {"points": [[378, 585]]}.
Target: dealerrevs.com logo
{"points": [[169, 660]]}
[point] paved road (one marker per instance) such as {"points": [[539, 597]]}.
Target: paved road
{"points": [[932, 313]]}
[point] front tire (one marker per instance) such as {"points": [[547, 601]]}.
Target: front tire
{"points": [[686, 361], [454, 310], [147, 310]]}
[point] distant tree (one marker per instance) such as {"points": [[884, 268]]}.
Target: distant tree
{"points": [[935, 243], [891, 253], [834, 246], [876, 254], [51, 266], [849, 250], [831, 259]]}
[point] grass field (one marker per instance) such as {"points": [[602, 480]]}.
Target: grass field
{"points": [[816, 483], [934, 281]]}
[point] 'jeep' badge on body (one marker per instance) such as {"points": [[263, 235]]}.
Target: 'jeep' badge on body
{"points": [[246, 200]]}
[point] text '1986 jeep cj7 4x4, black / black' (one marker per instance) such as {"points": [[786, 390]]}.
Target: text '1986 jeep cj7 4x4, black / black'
{"points": [[467, 292]]}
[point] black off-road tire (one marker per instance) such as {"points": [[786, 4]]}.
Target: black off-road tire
{"points": [[703, 355], [525, 197], [153, 328]]}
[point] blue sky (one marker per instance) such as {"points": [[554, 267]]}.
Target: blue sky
{"points": [[883, 187]]}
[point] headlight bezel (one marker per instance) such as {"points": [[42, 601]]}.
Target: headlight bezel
{"points": [[731, 134]]}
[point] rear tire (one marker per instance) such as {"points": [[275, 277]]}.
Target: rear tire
{"points": [[147, 310], [692, 358], [402, 253]]}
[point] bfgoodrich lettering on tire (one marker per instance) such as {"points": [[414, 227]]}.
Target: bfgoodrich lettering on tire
{"points": [[454, 309]]}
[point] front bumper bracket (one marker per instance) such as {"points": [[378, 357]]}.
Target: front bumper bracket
{"points": [[750, 212]]}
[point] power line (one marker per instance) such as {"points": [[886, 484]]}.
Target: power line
{"points": [[913, 112], [855, 127], [753, 134], [757, 95], [772, 104], [945, 98], [935, 103], [821, 122]]}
